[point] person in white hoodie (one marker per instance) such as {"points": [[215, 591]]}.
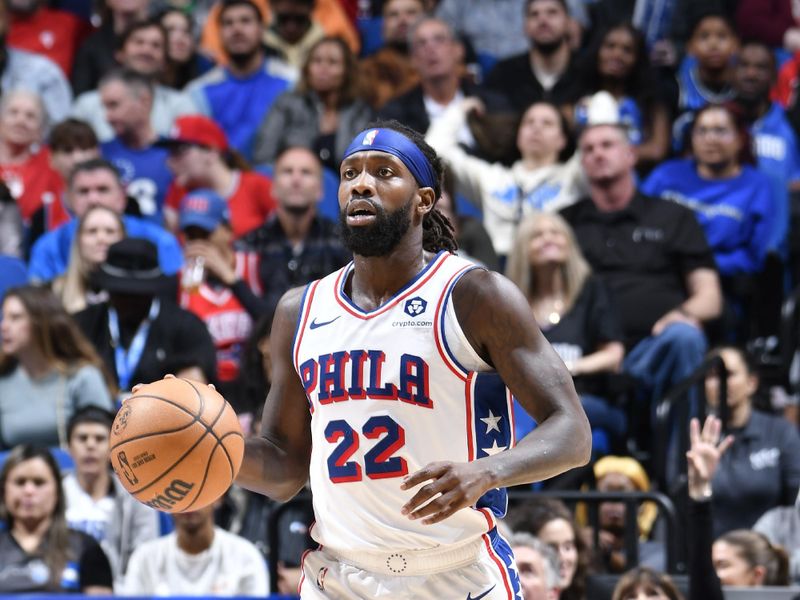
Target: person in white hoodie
{"points": [[538, 181], [197, 559]]}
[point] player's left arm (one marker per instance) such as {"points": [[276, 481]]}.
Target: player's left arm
{"points": [[498, 322]]}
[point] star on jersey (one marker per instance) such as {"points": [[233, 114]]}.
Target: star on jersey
{"points": [[515, 575], [495, 449], [492, 422]]}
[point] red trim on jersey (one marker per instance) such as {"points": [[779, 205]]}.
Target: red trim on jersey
{"points": [[303, 322], [489, 518], [469, 389], [437, 332], [302, 569], [394, 301], [499, 564]]}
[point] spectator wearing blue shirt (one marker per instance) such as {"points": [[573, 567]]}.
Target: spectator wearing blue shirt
{"points": [[239, 95], [775, 143], [94, 182], [733, 203], [732, 200], [127, 99]]}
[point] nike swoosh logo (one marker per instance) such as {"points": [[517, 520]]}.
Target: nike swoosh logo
{"points": [[471, 597], [314, 323]]}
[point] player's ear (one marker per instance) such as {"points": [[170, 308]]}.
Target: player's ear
{"points": [[427, 198]]}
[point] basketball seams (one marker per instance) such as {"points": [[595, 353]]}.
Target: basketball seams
{"points": [[209, 428], [175, 463], [195, 419], [205, 478], [149, 435], [225, 450]]}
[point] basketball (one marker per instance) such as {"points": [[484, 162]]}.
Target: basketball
{"points": [[176, 445]]}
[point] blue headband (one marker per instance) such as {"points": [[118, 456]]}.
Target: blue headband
{"points": [[387, 140]]}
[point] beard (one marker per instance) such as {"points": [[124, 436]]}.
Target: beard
{"points": [[380, 238]]}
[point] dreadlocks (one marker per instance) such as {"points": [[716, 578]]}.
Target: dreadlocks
{"points": [[438, 232]]}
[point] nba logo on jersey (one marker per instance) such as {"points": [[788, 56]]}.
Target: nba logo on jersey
{"points": [[369, 137], [415, 306]]}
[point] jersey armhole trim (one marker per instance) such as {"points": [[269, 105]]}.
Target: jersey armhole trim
{"points": [[441, 335], [302, 319]]}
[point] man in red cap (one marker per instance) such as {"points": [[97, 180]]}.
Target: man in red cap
{"points": [[199, 157]]}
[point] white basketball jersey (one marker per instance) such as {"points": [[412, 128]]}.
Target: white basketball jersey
{"points": [[391, 390]]}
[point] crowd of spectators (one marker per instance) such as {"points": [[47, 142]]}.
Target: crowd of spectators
{"points": [[169, 169]]}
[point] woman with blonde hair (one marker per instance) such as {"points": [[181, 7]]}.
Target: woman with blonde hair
{"points": [[48, 370], [573, 310], [97, 230]]}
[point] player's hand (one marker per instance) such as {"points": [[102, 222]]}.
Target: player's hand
{"points": [[214, 261], [452, 486]]}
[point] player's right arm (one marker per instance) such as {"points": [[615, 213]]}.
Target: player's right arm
{"points": [[276, 462]]}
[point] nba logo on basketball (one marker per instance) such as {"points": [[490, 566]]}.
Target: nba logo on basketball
{"points": [[369, 137], [415, 306]]}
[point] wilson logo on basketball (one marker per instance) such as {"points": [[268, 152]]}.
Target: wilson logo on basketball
{"points": [[174, 493]]}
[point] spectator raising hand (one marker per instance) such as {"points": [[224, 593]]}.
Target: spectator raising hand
{"points": [[704, 454]]}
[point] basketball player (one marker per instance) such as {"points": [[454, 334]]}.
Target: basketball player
{"points": [[375, 396]]}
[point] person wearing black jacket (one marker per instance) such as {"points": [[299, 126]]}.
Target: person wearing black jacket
{"points": [[438, 56], [547, 72], [140, 326]]}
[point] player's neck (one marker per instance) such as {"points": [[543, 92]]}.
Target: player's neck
{"points": [[376, 279]]}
